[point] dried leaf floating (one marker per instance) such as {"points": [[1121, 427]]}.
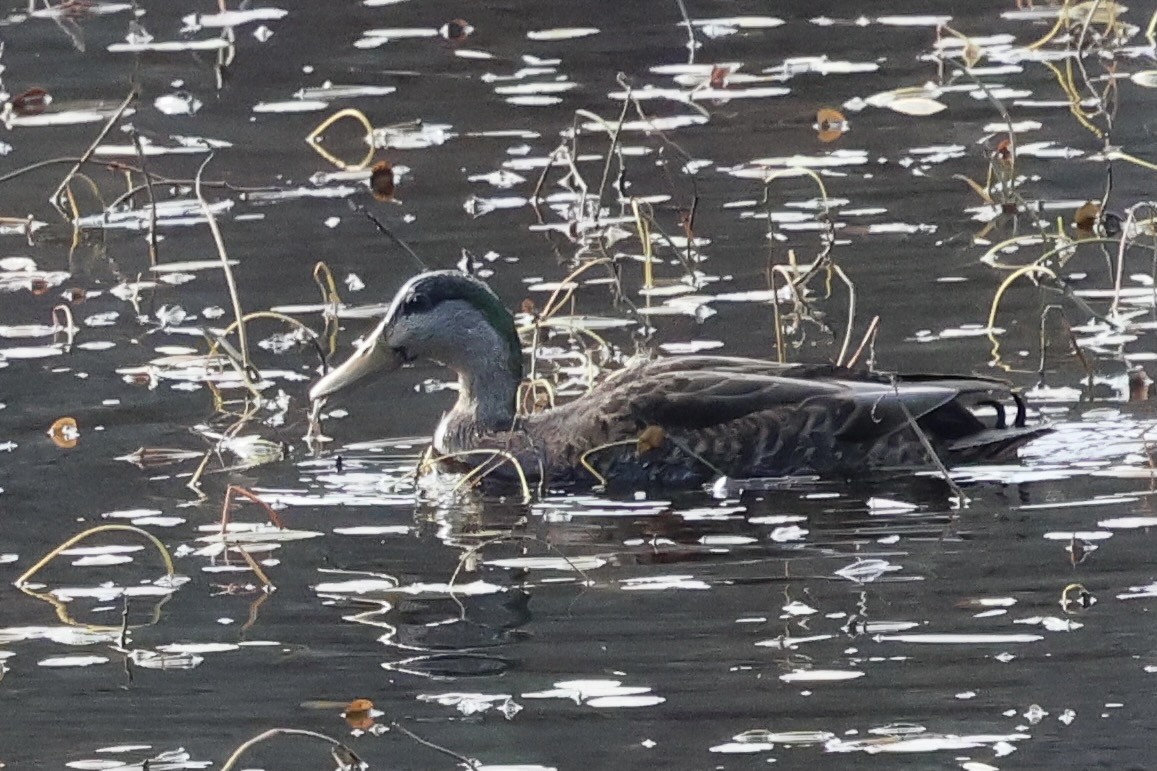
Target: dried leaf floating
{"points": [[1089, 218], [32, 102], [359, 705], [1004, 152], [359, 714], [64, 433], [382, 181], [830, 124], [456, 30]]}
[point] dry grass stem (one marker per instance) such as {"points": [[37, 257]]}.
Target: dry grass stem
{"points": [[84, 535], [313, 139], [480, 470], [54, 199], [153, 256], [868, 340], [231, 282], [350, 760]]}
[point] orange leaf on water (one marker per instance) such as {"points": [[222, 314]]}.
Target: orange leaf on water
{"points": [[357, 714], [64, 433], [830, 124]]}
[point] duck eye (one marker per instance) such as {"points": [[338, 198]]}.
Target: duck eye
{"points": [[418, 303]]}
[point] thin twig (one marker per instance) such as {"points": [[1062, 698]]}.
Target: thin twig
{"points": [[152, 200], [851, 310], [242, 336], [691, 42], [614, 145], [467, 762], [869, 335], [961, 499], [54, 199], [387, 233], [47, 558]]}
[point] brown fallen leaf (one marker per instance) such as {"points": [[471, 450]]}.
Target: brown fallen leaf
{"points": [[830, 124], [32, 102], [1140, 385], [382, 181], [1086, 218], [1003, 153], [64, 433], [456, 30], [718, 77], [357, 714]]}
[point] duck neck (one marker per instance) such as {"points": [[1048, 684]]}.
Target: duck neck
{"points": [[487, 390]]}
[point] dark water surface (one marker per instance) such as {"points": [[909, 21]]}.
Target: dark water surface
{"points": [[809, 626]]}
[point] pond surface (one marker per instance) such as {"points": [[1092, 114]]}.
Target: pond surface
{"points": [[884, 625]]}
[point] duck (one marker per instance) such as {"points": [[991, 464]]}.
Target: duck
{"points": [[678, 421]]}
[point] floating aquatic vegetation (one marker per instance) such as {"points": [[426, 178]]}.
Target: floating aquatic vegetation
{"points": [[581, 207]]}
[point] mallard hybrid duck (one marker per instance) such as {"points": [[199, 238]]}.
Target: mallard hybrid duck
{"points": [[679, 420]]}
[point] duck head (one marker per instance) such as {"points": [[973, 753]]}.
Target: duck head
{"points": [[446, 317]]}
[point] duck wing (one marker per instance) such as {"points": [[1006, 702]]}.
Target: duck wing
{"points": [[749, 386], [701, 392], [752, 417]]}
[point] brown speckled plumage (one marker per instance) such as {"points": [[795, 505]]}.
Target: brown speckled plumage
{"points": [[699, 416]]}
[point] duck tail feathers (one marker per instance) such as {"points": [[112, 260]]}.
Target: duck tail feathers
{"points": [[993, 445]]}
